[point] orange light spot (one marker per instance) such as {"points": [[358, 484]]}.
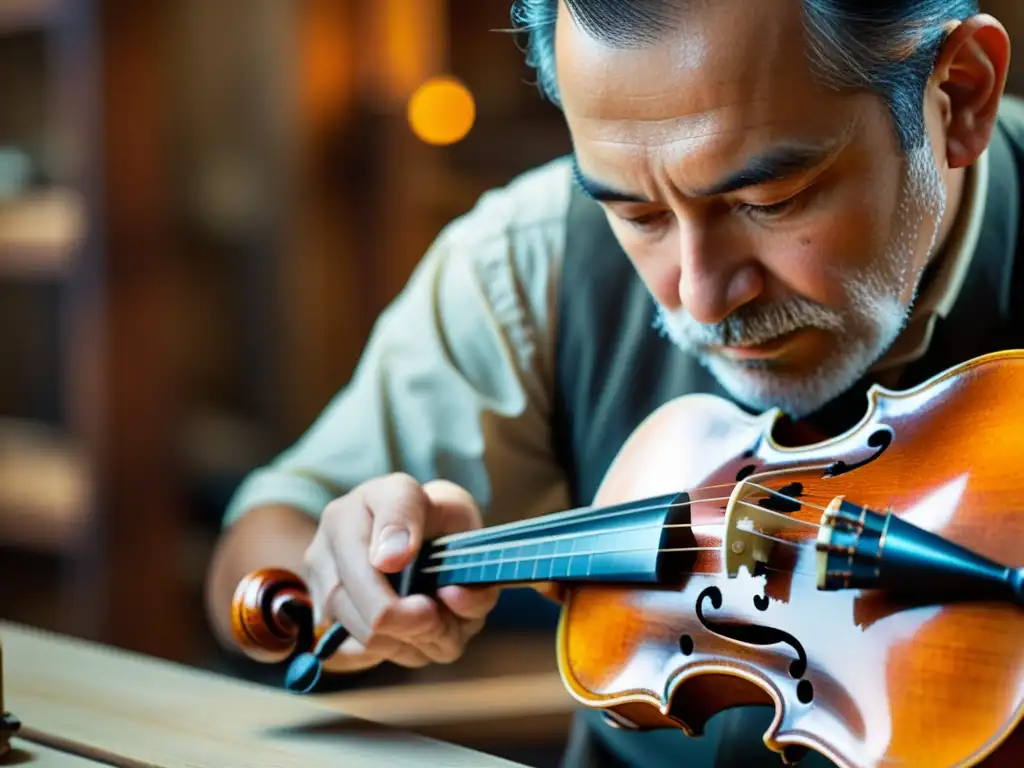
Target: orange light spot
{"points": [[442, 111]]}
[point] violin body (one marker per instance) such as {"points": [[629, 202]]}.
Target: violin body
{"points": [[884, 682], [751, 602]]}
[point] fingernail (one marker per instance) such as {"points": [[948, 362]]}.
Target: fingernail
{"points": [[393, 541]]}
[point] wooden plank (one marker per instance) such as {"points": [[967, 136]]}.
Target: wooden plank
{"points": [[30, 755], [8, 724], [100, 700], [429, 704], [475, 712]]}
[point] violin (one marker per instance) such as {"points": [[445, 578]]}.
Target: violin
{"points": [[868, 586]]}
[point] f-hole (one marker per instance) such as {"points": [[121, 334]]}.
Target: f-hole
{"points": [[756, 634], [753, 634], [880, 440]]}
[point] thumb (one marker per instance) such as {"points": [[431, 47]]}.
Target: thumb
{"points": [[398, 507], [454, 508]]}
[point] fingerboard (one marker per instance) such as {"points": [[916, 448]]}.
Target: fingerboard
{"points": [[614, 544]]}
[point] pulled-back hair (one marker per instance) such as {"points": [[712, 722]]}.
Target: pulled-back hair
{"points": [[884, 46]]}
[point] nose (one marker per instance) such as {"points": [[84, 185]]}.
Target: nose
{"points": [[715, 276]]}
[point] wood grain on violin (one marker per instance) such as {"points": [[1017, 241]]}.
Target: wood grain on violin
{"points": [[718, 567]]}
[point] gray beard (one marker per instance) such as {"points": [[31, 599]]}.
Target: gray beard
{"points": [[862, 333]]}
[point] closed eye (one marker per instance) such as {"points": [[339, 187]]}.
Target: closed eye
{"points": [[646, 221], [768, 210], [776, 210]]}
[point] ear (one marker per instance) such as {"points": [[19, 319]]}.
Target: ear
{"points": [[970, 76]]}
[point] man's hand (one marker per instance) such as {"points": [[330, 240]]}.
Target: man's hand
{"points": [[378, 529]]}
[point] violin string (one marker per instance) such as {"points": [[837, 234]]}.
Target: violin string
{"points": [[557, 537], [588, 514], [784, 496], [782, 514], [797, 544], [535, 558], [596, 513], [794, 571]]}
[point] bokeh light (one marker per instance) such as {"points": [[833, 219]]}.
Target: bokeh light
{"points": [[442, 111]]}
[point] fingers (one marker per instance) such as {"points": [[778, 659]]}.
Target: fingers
{"points": [[353, 656], [416, 631], [420, 622], [359, 524], [469, 602], [320, 575], [454, 510], [378, 529], [398, 508]]}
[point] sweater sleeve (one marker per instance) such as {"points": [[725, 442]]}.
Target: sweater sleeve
{"points": [[456, 380]]}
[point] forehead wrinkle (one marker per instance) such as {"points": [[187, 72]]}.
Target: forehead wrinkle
{"points": [[807, 132], [697, 114], [661, 163], [698, 126], [704, 144]]}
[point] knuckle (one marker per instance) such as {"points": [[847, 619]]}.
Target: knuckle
{"points": [[433, 627], [402, 480], [311, 557], [351, 661], [452, 649], [412, 659], [334, 511], [382, 646], [455, 654], [445, 490], [406, 493], [335, 604], [472, 629]]}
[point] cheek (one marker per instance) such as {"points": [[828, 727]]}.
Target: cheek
{"points": [[655, 261], [817, 259]]}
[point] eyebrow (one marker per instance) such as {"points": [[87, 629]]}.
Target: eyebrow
{"points": [[776, 164], [599, 191]]}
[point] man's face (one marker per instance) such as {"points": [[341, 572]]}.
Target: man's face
{"points": [[777, 224]]}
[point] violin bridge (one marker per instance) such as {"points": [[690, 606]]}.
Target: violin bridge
{"points": [[752, 530]]}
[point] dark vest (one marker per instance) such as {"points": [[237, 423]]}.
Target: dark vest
{"points": [[613, 368]]}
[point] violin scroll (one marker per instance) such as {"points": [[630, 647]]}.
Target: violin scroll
{"points": [[272, 615], [272, 621]]}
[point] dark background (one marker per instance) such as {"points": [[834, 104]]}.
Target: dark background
{"points": [[203, 207]]}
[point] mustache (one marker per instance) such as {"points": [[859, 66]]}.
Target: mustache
{"points": [[748, 326]]}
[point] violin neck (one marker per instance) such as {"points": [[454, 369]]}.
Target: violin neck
{"points": [[625, 543]]}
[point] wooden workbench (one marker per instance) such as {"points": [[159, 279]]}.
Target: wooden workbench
{"points": [[96, 703], [27, 754]]}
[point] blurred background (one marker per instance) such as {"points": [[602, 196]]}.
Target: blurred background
{"points": [[204, 204]]}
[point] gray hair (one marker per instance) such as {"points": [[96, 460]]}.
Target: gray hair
{"points": [[887, 47]]}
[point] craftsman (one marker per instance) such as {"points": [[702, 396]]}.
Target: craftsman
{"points": [[780, 202]]}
